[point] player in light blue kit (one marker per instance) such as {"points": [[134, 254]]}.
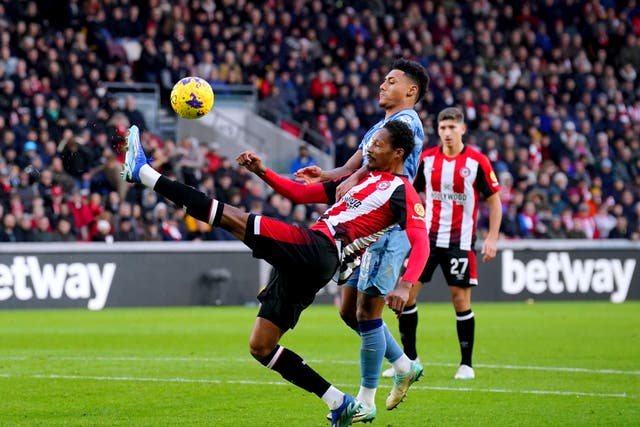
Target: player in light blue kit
{"points": [[379, 269]]}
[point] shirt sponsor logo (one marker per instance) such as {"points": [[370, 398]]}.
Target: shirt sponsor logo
{"points": [[459, 198], [352, 203], [559, 274], [25, 279]]}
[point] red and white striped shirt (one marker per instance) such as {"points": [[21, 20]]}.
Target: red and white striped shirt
{"points": [[452, 187], [369, 210], [366, 212]]}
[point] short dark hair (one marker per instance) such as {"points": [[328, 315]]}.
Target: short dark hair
{"points": [[401, 136], [451, 113], [416, 73]]}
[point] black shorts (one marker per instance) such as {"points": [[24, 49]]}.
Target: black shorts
{"points": [[458, 266], [304, 261]]}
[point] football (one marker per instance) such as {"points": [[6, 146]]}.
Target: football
{"points": [[192, 97]]}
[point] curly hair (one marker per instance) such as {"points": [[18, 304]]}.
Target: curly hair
{"points": [[401, 136]]}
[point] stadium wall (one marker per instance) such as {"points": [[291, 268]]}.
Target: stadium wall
{"points": [[98, 275]]}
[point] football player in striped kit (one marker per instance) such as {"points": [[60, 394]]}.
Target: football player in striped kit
{"points": [[453, 177], [305, 259]]}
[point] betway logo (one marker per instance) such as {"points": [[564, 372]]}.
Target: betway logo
{"points": [[558, 274], [75, 281]]}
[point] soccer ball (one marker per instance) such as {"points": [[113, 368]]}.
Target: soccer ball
{"points": [[191, 97]]}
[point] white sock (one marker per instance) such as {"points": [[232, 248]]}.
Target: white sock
{"points": [[367, 396], [402, 365], [333, 398], [149, 176]]}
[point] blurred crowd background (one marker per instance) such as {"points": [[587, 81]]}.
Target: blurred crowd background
{"points": [[549, 89]]}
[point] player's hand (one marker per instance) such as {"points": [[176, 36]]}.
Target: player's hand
{"points": [[251, 161], [308, 175], [397, 298], [345, 186], [488, 250]]}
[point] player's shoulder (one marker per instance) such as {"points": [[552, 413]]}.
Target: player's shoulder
{"points": [[476, 154], [388, 178], [409, 116], [429, 152]]}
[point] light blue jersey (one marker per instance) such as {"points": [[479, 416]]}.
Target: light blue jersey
{"points": [[410, 117], [381, 264]]}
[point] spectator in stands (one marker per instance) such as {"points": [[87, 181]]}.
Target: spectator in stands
{"points": [[43, 231], [103, 232], [190, 161], [133, 113], [125, 231], [24, 232], [303, 160], [605, 222], [77, 161], [274, 106], [9, 233], [621, 230]]}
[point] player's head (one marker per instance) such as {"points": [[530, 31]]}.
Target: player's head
{"points": [[405, 84], [451, 113], [390, 146], [451, 126], [401, 136]]}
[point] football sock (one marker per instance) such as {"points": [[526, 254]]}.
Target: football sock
{"points": [[295, 370], [402, 365], [333, 398], [198, 204], [367, 396], [149, 176], [371, 351], [408, 324], [393, 351], [465, 324]]}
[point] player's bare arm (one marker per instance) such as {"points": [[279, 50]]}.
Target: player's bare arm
{"points": [[495, 218]]}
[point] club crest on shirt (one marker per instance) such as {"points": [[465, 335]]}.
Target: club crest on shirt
{"points": [[465, 171], [383, 185]]}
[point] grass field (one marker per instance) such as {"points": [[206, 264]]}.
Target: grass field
{"points": [[558, 364]]}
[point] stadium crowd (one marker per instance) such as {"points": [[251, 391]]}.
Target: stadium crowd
{"points": [[549, 90]]}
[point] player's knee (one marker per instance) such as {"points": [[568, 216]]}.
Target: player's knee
{"points": [[349, 318], [461, 304], [259, 349]]}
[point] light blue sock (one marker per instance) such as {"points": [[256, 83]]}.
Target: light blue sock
{"points": [[371, 352], [393, 351]]}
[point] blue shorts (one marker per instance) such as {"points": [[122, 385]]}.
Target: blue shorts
{"points": [[381, 264]]}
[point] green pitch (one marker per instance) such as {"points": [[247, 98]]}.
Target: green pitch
{"points": [[557, 364]]}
